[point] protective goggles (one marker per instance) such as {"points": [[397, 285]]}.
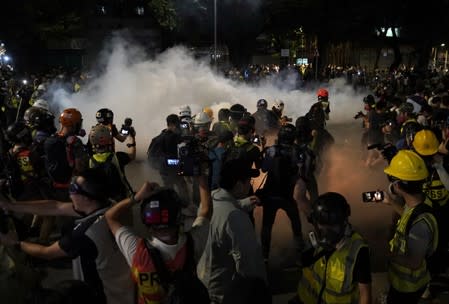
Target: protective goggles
{"points": [[75, 188]]}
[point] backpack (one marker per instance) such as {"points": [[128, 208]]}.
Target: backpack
{"points": [[182, 286], [282, 172], [118, 185], [57, 164], [155, 153], [239, 152]]}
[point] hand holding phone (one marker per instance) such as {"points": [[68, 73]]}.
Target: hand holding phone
{"points": [[373, 196]]}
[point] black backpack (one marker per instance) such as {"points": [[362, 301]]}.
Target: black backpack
{"points": [[155, 153], [56, 159], [118, 186], [182, 286], [283, 172]]}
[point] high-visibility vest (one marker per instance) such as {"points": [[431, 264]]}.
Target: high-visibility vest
{"points": [[403, 278], [332, 278], [143, 271], [435, 190]]}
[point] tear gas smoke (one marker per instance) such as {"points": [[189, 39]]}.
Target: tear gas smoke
{"points": [[148, 90]]}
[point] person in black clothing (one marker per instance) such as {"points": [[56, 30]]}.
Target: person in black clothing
{"points": [[169, 146], [281, 163]]}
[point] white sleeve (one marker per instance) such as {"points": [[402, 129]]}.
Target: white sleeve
{"points": [[127, 242]]}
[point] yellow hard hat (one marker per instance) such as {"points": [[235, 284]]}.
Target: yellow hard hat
{"points": [[406, 165], [426, 143], [209, 112]]}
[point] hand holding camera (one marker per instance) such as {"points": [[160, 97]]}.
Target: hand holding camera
{"points": [[127, 128]]}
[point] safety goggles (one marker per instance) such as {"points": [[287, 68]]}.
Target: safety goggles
{"points": [[75, 188]]}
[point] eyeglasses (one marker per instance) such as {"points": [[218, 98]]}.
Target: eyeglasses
{"points": [[75, 188]]}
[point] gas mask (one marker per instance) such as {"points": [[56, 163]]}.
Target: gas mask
{"points": [[329, 236]]}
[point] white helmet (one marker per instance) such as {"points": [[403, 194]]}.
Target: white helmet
{"points": [[201, 119], [185, 111], [278, 104], [41, 103]]}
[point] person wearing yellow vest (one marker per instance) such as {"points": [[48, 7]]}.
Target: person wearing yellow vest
{"points": [[416, 234], [337, 268], [165, 250], [426, 145], [103, 155]]}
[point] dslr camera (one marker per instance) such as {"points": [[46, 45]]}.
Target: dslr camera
{"points": [[127, 126]]}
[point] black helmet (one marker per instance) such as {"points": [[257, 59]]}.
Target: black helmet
{"points": [[237, 111], [18, 132], [287, 134], [262, 103], [104, 116], [330, 208], [410, 128], [161, 209], [369, 99], [223, 114], [38, 118]]}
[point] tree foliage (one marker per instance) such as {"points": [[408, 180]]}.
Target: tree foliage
{"points": [[165, 13]]}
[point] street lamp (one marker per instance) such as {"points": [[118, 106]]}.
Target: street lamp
{"points": [[215, 34]]}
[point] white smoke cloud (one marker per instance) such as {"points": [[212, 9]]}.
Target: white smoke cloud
{"points": [[147, 90]]}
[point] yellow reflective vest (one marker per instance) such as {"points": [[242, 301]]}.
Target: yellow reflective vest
{"points": [[332, 277], [435, 190], [403, 278]]}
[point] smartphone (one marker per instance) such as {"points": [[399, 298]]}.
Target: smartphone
{"points": [[373, 196], [172, 161]]}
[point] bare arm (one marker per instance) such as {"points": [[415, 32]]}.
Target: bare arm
{"points": [[113, 214], [205, 209], [300, 197], [41, 207], [44, 252], [365, 293], [120, 137]]}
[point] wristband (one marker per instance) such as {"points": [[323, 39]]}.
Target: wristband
{"points": [[131, 145]]}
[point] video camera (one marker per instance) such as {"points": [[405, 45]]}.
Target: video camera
{"points": [[191, 155], [388, 150], [127, 127]]}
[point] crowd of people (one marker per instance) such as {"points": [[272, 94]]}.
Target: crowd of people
{"points": [[63, 199]]}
